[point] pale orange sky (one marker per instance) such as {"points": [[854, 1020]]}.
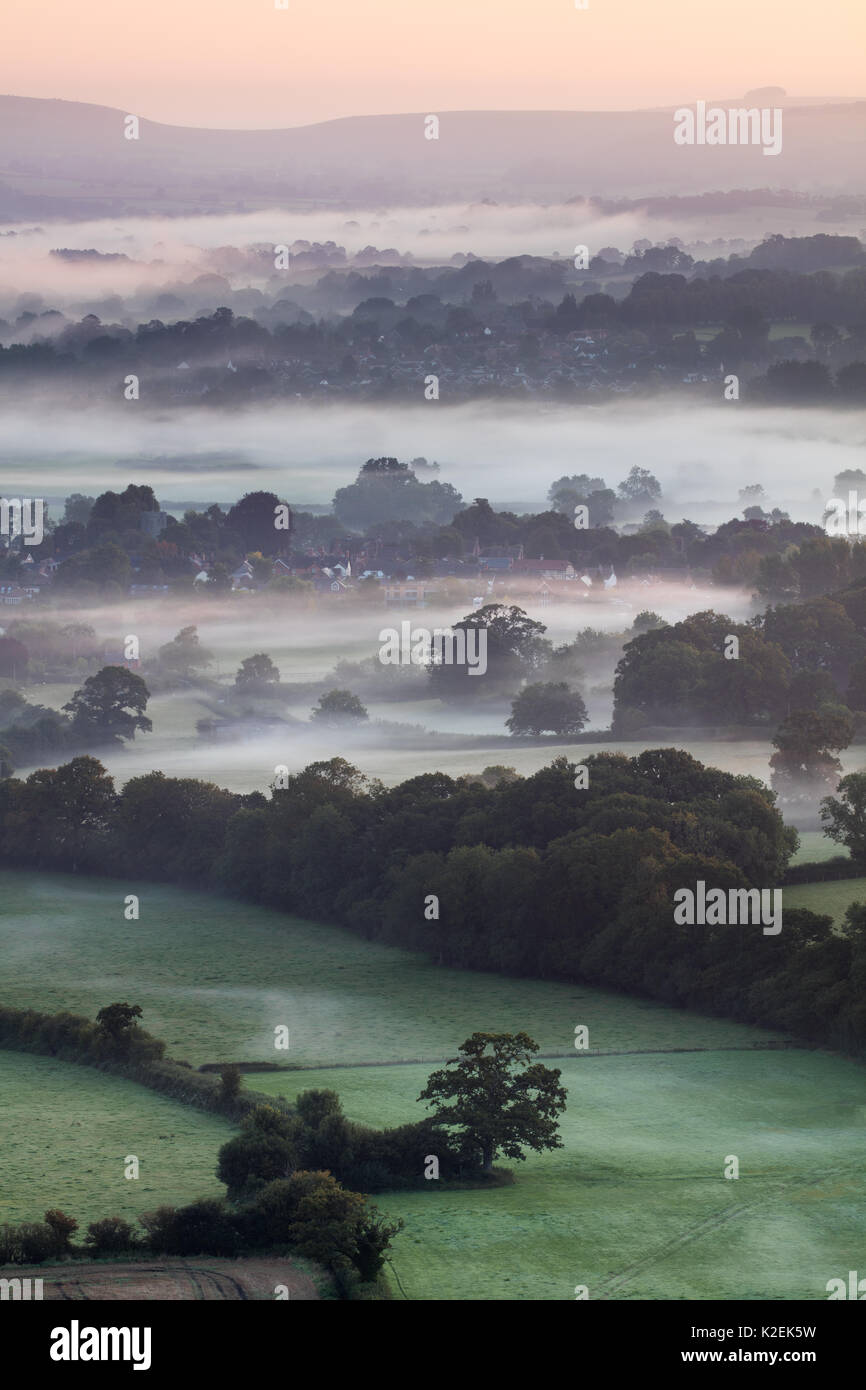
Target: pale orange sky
{"points": [[245, 63]]}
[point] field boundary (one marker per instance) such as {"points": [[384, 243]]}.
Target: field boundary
{"points": [[774, 1045], [75, 1040]]}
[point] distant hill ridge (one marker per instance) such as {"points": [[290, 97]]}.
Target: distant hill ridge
{"points": [[68, 158]]}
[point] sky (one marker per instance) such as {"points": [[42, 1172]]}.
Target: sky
{"points": [[246, 63]]}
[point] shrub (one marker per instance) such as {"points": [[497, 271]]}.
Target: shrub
{"points": [[230, 1082], [372, 1240], [313, 1213], [63, 1227], [158, 1225], [28, 1243], [109, 1236], [315, 1106], [267, 1148], [205, 1227]]}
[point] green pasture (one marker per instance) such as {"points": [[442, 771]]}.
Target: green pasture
{"points": [[832, 898], [635, 1205], [67, 1132], [216, 977]]}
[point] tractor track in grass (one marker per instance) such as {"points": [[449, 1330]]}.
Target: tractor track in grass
{"points": [[709, 1224], [616, 1283], [393, 1269]]}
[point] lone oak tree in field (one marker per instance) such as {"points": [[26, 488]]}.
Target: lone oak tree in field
{"points": [[339, 707], [513, 644], [109, 705], [547, 705], [257, 675], [499, 1098]]}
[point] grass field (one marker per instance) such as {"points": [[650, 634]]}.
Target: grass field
{"points": [[215, 977], [815, 847], [634, 1205], [831, 898], [67, 1131]]}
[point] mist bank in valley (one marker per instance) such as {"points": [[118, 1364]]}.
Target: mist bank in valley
{"points": [[509, 454], [135, 268]]}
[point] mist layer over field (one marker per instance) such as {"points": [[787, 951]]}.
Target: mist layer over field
{"points": [[307, 643], [215, 976], [509, 454], [160, 252]]}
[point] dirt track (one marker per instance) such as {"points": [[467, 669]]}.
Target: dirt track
{"points": [[167, 1280]]}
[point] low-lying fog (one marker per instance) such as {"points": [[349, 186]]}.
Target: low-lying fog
{"points": [[162, 251], [251, 765], [509, 454], [306, 645]]}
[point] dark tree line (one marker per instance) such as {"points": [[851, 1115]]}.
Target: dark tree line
{"points": [[795, 657], [528, 876]]}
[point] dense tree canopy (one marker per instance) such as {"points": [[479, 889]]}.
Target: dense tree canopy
{"points": [[844, 815], [388, 490], [531, 876], [681, 675]]}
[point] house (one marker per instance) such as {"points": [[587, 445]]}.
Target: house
{"points": [[331, 584], [559, 591], [242, 577], [410, 593], [548, 569], [503, 558]]}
